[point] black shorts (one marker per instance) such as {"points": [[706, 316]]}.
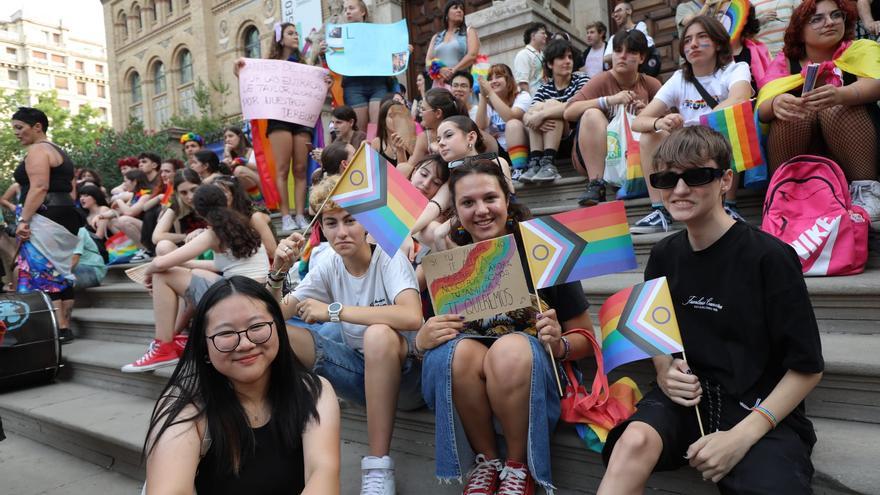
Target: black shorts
{"points": [[280, 125], [778, 464]]}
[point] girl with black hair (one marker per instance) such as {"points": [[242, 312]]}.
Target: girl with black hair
{"points": [[237, 251], [289, 141], [208, 165], [497, 367], [240, 413], [240, 202], [456, 45], [345, 122], [128, 210], [438, 105]]}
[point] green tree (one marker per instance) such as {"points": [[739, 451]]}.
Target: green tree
{"points": [[65, 129]]}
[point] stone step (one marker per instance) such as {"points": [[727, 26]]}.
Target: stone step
{"points": [[97, 363], [134, 326], [125, 295], [103, 427]]}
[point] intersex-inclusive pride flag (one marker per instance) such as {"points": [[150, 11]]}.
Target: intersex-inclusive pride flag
{"points": [[737, 124], [380, 198], [638, 323], [578, 244]]}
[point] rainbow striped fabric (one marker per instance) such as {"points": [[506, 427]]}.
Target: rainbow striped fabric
{"points": [[120, 249], [168, 195], [380, 198], [737, 124], [265, 164], [637, 323], [578, 244]]}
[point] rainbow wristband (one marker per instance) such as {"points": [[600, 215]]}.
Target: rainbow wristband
{"points": [[763, 411]]}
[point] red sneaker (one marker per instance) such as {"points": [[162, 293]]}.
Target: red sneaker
{"points": [[180, 343], [158, 355], [516, 480], [483, 478]]}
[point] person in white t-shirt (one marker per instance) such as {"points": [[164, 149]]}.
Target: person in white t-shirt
{"points": [[375, 298], [529, 62], [709, 62], [594, 62], [500, 112]]}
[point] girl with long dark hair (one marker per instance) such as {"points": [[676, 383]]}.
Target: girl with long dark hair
{"points": [[497, 367], [237, 251], [240, 413], [239, 156], [241, 202], [289, 141], [437, 105], [207, 164], [457, 45]]}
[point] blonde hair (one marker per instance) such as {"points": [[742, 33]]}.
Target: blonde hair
{"points": [[321, 191], [364, 8]]}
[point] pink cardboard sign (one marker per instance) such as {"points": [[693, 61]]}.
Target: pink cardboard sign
{"points": [[281, 90]]}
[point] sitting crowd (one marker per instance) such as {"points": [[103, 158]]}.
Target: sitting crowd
{"points": [[302, 321]]}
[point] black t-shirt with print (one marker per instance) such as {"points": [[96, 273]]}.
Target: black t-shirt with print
{"points": [[744, 312]]}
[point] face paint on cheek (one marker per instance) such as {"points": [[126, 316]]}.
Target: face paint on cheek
{"points": [[704, 46]]}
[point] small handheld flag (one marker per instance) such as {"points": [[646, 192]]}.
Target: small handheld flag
{"points": [[380, 198], [578, 244], [738, 13], [638, 323], [737, 124]]}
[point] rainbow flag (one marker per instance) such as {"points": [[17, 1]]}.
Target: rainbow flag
{"points": [[265, 163], [168, 195], [737, 124], [578, 244], [638, 323], [738, 13], [120, 249], [634, 185], [380, 198]]}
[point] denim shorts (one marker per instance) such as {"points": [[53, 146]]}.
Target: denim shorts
{"points": [[358, 91], [343, 366], [86, 276]]}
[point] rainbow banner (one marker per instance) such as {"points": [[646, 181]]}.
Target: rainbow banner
{"points": [[477, 281], [265, 163], [120, 249], [638, 323], [634, 185], [578, 244], [380, 198], [168, 195], [738, 14], [737, 124]]}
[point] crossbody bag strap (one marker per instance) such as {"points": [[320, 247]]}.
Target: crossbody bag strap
{"points": [[709, 99]]}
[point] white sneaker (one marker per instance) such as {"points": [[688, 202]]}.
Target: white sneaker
{"points": [[301, 222], [377, 477], [866, 193], [288, 224]]}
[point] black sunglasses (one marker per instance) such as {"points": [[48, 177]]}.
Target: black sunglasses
{"points": [[489, 155], [692, 177]]}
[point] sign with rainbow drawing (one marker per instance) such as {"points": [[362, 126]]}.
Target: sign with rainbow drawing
{"points": [[477, 281]]}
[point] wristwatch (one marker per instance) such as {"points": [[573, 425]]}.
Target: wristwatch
{"points": [[333, 310]]}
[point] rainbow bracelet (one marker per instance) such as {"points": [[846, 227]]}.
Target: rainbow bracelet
{"points": [[763, 411]]}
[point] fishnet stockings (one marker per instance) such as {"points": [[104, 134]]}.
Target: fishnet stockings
{"points": [[847, 135]]}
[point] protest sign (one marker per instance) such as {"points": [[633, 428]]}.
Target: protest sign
{"points": [[305, 14], [281, 90], [367, 49], [477, 281]]}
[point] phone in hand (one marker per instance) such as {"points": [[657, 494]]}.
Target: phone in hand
{"points": [[811, 77]]}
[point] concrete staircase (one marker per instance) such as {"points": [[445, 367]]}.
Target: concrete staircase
{"points": [[99, 414]]}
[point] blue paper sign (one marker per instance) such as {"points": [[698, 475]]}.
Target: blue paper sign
{"points": [[367, 49]]}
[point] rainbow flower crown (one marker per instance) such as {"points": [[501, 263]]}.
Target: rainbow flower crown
{"points": [[191, 136]]}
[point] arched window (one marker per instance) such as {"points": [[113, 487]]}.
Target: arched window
{"points": [[123, 25], [136, 108], [185, 87], [251, 42], [161, 109], [138, 20]]}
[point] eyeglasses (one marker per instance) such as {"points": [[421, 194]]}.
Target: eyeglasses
{"points": [[692, 177], [228, 341], [470, 159], [818, 21]]}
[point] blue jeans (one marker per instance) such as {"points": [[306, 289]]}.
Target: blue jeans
{"points": [[343, 367], [358, 91], [86, 276], [451, 444]]}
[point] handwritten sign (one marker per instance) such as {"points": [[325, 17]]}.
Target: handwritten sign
{"points": [[477, 281], [367, 49], [281, 90]]}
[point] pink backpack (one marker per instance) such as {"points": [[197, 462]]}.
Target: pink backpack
{"points": [[809, 207]]}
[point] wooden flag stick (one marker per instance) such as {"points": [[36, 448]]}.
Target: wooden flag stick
{"points": [[696, 407], [550, 352]]}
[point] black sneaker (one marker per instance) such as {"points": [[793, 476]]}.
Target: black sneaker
{"points": [[65, 335], [594, 194]]}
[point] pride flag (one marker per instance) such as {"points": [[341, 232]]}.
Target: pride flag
{"points": [[380, 198], [120, 249], [737, 124], [638, 323], [578, 244], [168, 195], [265, 163], [634, 185], [738, 13]]}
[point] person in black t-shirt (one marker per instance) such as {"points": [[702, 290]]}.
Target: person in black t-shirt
{"points": [[751, 337]]}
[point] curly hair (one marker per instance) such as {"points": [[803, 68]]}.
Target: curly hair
{"points": [[794, 47], [515, 212], [127, 161], [718, 34], [320, 193], [231, 227], [241, 202]]}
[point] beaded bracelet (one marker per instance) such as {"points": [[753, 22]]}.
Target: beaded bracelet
{"points": [[567, 348], [763, 411]]}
